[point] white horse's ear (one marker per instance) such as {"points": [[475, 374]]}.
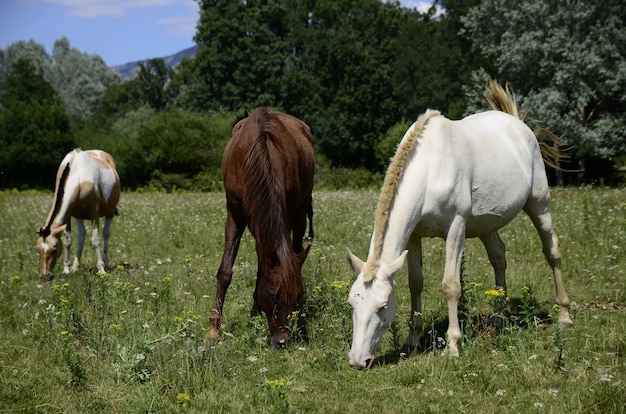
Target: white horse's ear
{"points": [[393, 268], [355, 263]]}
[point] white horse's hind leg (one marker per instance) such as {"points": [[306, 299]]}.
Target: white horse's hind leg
{"points": [[539, 213], [451, 283], [95, 240], [416, 286], [80, 235], [496, 252], [106, 233]]}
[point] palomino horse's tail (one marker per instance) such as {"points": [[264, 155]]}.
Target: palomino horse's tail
{"points": [[502, 99]]}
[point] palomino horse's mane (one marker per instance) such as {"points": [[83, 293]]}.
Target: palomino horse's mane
{"points": [[263, 198], [58, 199], [392, 179], [502, 99]]}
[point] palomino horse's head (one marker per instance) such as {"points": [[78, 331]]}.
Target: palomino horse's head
{"points": [[373, 306], [279, 300], [50, 248]]}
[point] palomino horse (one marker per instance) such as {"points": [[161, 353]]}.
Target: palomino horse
{"points": [[87, 188], [267, 168], [450, 179]]}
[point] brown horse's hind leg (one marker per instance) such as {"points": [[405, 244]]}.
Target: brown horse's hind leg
{"points": [[232, 236], [310, 215], [299, 226]]}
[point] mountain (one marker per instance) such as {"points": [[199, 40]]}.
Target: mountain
{"points": [[127, 70]]}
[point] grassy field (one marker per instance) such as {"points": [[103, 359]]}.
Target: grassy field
{"points": [[131, 341]]}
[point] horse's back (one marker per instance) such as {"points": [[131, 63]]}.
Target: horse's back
{"points": [[92, 176], [484, 167], [291, 150]]}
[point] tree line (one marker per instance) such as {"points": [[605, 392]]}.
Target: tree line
{"points": [[357, 71]]}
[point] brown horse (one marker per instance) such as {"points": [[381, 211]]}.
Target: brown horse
{"points": [[267, 168]]}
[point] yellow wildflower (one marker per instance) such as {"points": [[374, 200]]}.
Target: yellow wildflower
{"points": [[182, 398]]}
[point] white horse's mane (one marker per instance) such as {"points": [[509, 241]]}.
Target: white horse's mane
{"points": [[392, 179]]}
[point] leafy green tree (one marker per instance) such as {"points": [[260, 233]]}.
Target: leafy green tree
{"points": [[428, 65], [566, 61], [344, 82], [242, 55], [79, 78], [153, 79], [34, 128], [177, 142], [31, 51]]}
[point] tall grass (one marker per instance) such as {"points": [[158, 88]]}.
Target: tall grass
{"points": [[131, 340]]}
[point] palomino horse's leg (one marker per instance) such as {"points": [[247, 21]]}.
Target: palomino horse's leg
{"points": [[451, 284], [80, 235], [416, 286], [539, 213], [106, 234], [67, 244], [95, 241], [496, 252], [232, 236]]}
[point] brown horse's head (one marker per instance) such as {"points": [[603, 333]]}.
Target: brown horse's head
{"points": [[279, 290], [50, 248]]}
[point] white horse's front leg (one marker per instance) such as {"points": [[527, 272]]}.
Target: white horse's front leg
{"points": [[95, 240], [416, 286], [80, 234], [66, 239], [451, 283]]}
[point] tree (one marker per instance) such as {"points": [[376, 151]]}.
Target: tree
{"points": [[80, 79], [242, 54], [566, 60], [34, 128], [177, 142], [153, 80]]}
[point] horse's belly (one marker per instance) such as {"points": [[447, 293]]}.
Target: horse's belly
{"points": [[484, 224]]}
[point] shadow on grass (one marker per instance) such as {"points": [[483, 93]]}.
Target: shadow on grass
{"points": [[474, 326]]}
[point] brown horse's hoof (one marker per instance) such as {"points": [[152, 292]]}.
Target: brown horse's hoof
{"points": [[212, 335]]}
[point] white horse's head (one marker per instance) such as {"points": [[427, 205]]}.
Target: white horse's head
{"points": [[373, 306]]}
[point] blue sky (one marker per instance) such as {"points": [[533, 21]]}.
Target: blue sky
{"points": [[120, 31]]}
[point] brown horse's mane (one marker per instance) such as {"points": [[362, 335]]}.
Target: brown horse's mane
{"points": [[390, 184], [58, 199], [264, 197]]}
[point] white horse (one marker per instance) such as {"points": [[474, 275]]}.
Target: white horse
{"points": [[450, 179], [87, 188]]}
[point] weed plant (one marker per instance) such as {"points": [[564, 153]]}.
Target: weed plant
{"points": [[132, 340]]}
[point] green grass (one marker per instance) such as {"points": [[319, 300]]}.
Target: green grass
{"points": [[131, 341]]}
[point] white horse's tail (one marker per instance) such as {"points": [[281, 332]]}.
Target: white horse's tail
{"points": [[502, 99]]}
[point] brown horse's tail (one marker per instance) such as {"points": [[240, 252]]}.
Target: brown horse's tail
{"points": [[502, 99], [265, 201]]}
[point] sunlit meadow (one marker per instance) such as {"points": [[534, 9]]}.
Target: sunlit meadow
{"points": [[131, 340]]}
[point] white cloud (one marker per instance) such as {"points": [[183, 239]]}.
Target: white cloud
{"points": [[106, 8], [182, 25]]}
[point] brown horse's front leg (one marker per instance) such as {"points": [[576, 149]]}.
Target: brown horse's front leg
{"points": [[232, 235]]}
